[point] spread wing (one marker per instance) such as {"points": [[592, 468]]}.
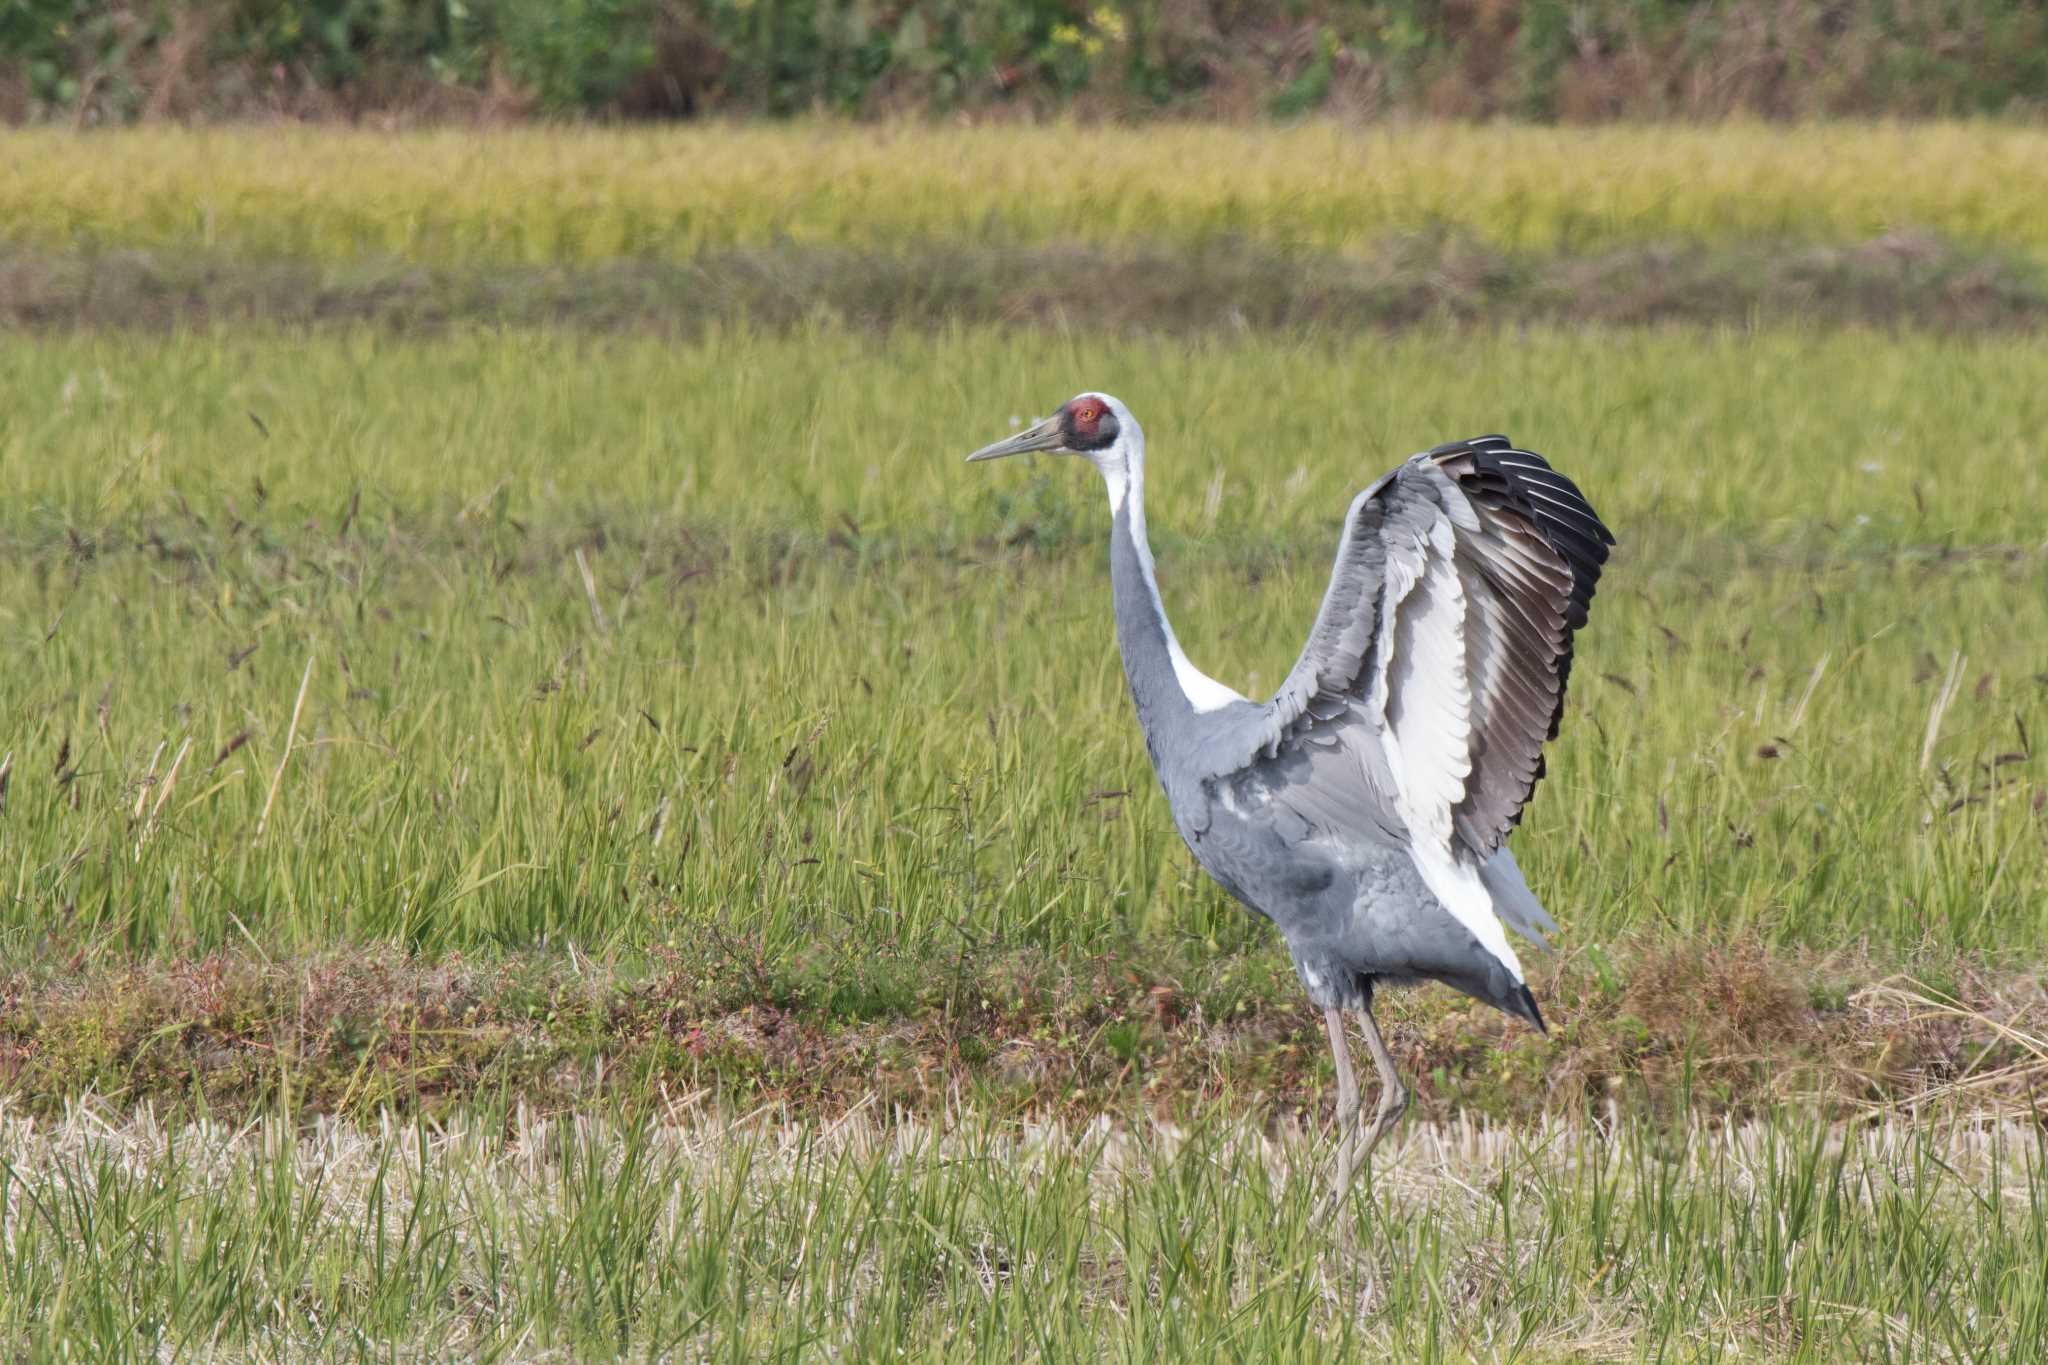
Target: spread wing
{"points": [[1436, 668]]}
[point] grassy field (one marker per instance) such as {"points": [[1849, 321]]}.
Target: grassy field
{"points": [[552, 843], [564, 196], [853, 683]]}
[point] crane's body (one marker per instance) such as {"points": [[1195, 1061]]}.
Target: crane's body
{"points": [[1363, 808], [1348, 899]]}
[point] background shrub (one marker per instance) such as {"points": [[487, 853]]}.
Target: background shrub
{"points": [[1573, 60]]}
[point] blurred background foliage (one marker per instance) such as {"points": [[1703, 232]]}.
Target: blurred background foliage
{"points": [[92, 62]]}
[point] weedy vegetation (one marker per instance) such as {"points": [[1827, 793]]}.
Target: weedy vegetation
{"points": [[526, 841]]}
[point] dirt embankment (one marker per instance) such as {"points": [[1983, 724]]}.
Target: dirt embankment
{"points": [[1897, 280], [1660, 1031]]}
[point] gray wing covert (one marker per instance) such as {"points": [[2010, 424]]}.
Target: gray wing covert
{"points": [[1436, 667]]}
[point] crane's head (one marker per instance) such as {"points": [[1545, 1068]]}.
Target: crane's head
{"points": [[1092, 425]]}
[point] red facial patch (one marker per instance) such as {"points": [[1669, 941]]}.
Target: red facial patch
{"points": [[1086, 412]]}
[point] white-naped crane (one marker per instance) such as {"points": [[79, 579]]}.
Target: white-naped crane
{"points": [[1364, 807]]}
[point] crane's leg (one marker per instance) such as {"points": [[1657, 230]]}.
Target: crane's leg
{"points": [[1393, 1095], [1346, 1132], [1356, 1142]]}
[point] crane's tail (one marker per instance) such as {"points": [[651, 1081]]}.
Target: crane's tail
{"points": [[1487, 899], [1464, 890], [1490, 899]]}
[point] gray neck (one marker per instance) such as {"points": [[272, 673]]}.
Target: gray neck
{"points": [[1142, 634]]}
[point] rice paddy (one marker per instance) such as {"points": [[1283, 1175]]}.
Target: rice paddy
{"points": [[672, 1231]]}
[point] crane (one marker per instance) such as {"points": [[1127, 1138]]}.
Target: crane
{"points": [[1364, 808]]}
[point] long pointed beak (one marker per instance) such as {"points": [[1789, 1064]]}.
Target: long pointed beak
{"points": [[1045, 436]]}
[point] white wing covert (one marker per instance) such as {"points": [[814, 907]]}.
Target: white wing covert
{"points": [[1447, 630]]}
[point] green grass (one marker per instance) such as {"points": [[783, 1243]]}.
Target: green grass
{"points": [[843, 685], [563, 196], [606, 1236]]}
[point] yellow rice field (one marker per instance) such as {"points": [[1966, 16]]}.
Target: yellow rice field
{"points": [[580, 195]]}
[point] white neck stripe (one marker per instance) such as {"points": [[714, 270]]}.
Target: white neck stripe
{"points": [[1123, 470]]}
